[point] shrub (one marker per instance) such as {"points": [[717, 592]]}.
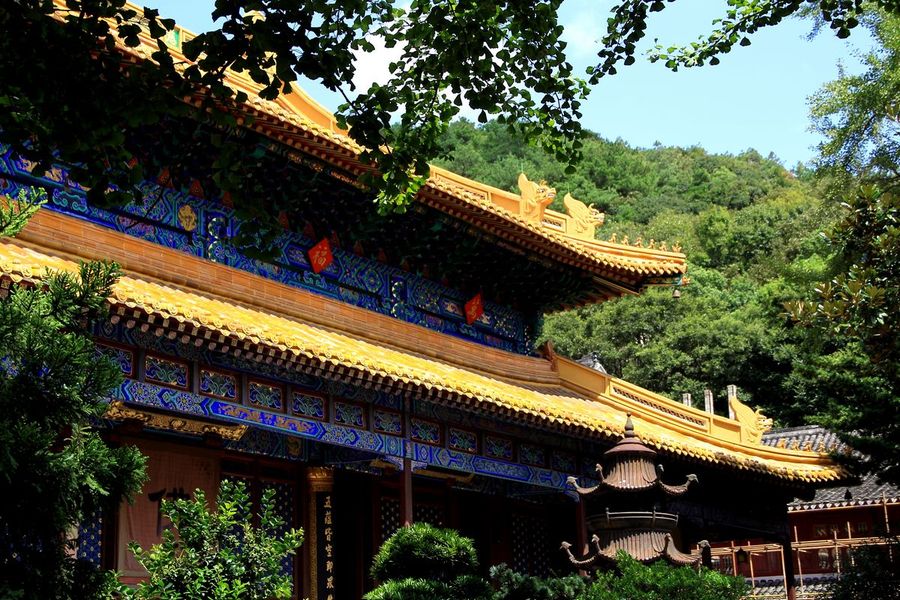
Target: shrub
{"points": [[511, 585], [465, 587], [218, 555], [422, 562], [424, 551], [661, 581]]}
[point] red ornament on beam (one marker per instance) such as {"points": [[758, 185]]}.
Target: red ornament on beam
{"points": [[474, 308], [320, 256]]}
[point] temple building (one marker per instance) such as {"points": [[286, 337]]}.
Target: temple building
{"points": [[824, 529], [378, 370]]}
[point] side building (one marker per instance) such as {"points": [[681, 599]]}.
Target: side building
{"points": [[824, 529], [379, 370]]}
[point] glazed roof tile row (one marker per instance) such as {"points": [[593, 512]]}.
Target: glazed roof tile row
{"points": [[582, 402]]}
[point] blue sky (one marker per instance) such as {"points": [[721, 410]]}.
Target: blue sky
{"points": [[756, 98]]}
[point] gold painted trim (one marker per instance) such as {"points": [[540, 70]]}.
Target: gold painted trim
{"points": [[119, 411]]}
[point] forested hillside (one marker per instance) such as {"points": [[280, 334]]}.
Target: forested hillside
{"points": [[751, 230]]}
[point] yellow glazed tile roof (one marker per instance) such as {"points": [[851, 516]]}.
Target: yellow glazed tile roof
{"points": [[584, 403], [298, 121]]}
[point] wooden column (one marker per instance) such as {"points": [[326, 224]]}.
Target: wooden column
{"points": [[320, 534], [787, 561], [406, 491], [406, 497]]}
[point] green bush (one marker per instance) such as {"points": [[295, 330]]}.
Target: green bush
{"points": [[422, 562], [218, 555], [511, 585], [465, 587], [422, 551], [632, 580]]}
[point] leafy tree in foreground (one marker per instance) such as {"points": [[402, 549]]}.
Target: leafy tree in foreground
{"points": [[55, 471], [80, 103], [218, 555]]}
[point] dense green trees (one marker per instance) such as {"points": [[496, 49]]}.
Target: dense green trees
{"points": [[423, 562], [751, 232]]}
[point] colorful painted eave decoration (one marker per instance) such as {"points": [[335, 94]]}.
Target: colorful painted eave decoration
{"points": [[665, 425], [301, 123]]}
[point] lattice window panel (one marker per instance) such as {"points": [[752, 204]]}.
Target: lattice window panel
{"points": [[390, 517], [530, 545], [90, 537], [284, 508], [428, 513]]}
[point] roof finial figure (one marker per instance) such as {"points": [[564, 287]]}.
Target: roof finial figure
{"points": [[536, 197]]}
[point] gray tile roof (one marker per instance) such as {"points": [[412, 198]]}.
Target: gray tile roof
{"points": [[813, 437], [773, 588]]}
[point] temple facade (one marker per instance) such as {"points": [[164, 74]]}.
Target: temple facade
{"points": [[380, 370]]}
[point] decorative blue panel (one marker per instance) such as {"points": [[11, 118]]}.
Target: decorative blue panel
{"points": [[309, 405], [462, 440], [385, 421], [498, 447], [202, 227], [265, 395], [166, 371], [338, 434], [122, 357], [532, 455], [90, 538], [427, 432], [353, 415], [563, 461], [219, 384]]}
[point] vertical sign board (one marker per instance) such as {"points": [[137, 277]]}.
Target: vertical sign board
{"points": [[324, 546]]}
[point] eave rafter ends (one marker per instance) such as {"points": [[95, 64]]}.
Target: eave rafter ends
{"points": [[297, 121], [584, 408]]}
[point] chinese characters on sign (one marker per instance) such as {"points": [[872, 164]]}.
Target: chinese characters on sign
{"points": [[320, 256], [325, 526]]}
